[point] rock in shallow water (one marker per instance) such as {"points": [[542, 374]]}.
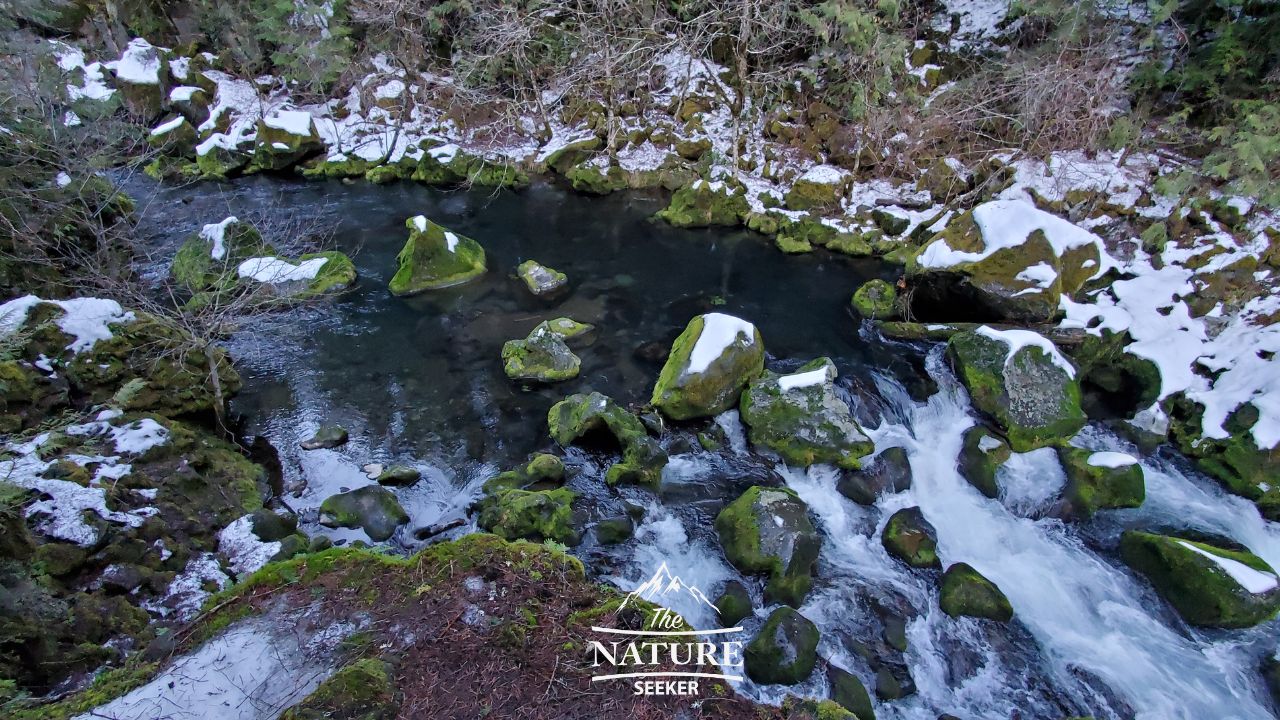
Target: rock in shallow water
{"points": [[784, 651], [434, 258], [531, 514], [767, 531], [709, 365], [887, 473], [543, 356], [373, 508], [980, 457], [540, 279], [328, 436], [581, 415], [909, 537], [1100, 480], [966, 592], [399, 475]]}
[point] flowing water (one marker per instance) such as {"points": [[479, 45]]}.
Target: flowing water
{"points": [[419, 382]]}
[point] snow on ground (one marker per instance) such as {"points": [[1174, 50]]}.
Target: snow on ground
{"points": [[86, 320], [186, 592], [719, 331], [244, 551]]}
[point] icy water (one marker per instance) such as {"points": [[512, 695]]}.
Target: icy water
{"points": [[419, 381]]}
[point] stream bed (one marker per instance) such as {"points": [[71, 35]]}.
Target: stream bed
{"points": [[419, 382]]}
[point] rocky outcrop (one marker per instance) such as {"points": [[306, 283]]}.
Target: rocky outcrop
{"points": [[1208, 585], [709, 365], [767, 531], [886, 473], [543, 357], [435, 258], [800, 417], [579, 416], [530, 514], [706, 203], [1021, 381]]}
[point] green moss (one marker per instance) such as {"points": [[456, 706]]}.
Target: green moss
{"points": [[767, 531], [611, 531], [595, 180], [539, 278], [580, 415], [195, 268], [849, 693], [966, 592], [573, 154], [682, 395], [784, 651], [1197, 586], [277, 149], [809, 195], [542, 357], [980, 457], [540, 468], [530, 514], [427, 261], [1092, 488], [338, 272], [372, 508], [346, 168], [107, 686], [704, 204], [805, 425], [734, 604], [362, 690], [1235, 461], [909, 537], [875, 299]]}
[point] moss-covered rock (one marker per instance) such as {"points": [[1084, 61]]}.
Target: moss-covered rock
{"points": [[542, 357], [800, 417], [709, 365], [449, 165], [363, 690], [981, 456], [888, 472], [175, 136], [595, 179], [1236, 461], [573, 153], [1029, 390], [541, 468], [706, 203], [767, 531], [372, 508], [876, 300], [284, 139], [328, 436], [311, 275], [142, 79], [399, 476], [733, 605], [966, 592], [434, 258], [1199, 579], [1100, 481], [909, 537], [210, 259], [579, 416], [784, 651], [220, 161], [819, 188], [568, 328], [530, 514], [614, 530], [540, 279], [849, 693]]}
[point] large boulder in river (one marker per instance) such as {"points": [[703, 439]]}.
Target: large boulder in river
{"points": [[784, 651], [965, 592], [886, 473], [709, 365], [530, 514], [541, 468], [767, 531], [800, 417], [911, 538], [1208, 585], [542, 356], [372, 508], [981, 455], [875, 299], [1006, 258], [210, 258], [1021, 381], [1100, 481], [579, 416], [435, 258]]}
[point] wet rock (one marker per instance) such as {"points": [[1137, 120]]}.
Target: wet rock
{"points": [[579, 416], [209, 259], [1271, 676], [706, 203], [709, 365], [1208, 585], [1019, 380], [540, 468], [363, 690], [965, 592], [891, 223], [886, 473], [849, 693], [875, 299], [328, 436], [372, 508], [531, 514], [894, 686], [734, 604], [800, 417], [270, 526], [614, 530], [399, 475], [435, 257], [652, 352], [568, 328], [1100, 481], [784, 651], [543, 356], [980, 457], [573, 153], [909, 537], [540, 279], [309, 276], [767, 531]]}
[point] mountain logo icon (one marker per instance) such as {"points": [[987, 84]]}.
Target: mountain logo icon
{"points": [[663, 585]]}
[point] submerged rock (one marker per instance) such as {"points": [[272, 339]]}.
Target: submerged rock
{"points": [[543, 356], [767, 531], [886, 473], [966, 592], [540, 279], [1100, 481], [399, 475], [706, 203], [800, 417], [581, 415], [875, 300], [909, 537], [362, 690], [733, 604], [435, 258], [1021, 381], [531, 514], [328, 436], [981, 456], [784, 651], [614, 530], [709, 365], [372, 508], [1208, 585], [540, 468]]}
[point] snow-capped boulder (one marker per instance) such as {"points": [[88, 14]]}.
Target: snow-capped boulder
{"points": [[578, 415], [1100, 480], [175, 136], [1006, 260], [1020, 380], [310, 275], [819, 188], [285, 138], [142, 77], [800, 417], [210, 258], [1208, 585], [435, 258], [767, 531], [542, 356], [709, 365]]}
